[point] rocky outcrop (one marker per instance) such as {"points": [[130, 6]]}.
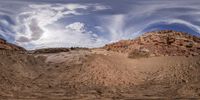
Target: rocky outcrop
{"points": [[160, 43], [8, 46]]}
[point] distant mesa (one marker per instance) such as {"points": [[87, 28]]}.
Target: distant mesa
{"points": [[56, 50], [160, 43], [50, 50]]}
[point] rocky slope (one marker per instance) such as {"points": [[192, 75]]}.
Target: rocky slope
{"points": [[160, 43], [8, 46]]}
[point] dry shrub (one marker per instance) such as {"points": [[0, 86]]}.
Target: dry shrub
{"points": [[139, 53], [189, 45]]}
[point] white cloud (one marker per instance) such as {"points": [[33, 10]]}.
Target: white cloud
{"points": [[76, 27], [6, 29], [117, 28], [110, 25], [99, 28], [139, 18], [114, 25], [101, 7], [186, 23], [75, 6], [4, 22], [75, 34], [48, 14]]}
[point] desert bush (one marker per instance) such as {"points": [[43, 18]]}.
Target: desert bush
{"points": [[189, 44], [139, 53], [51, 50]]}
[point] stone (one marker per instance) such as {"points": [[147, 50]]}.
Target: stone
{"points": [[194, 54], [158, 43]]}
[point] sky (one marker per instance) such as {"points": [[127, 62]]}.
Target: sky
{"points": [[35, 24]]}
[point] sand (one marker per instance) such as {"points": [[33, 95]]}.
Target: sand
{"points": [[97, 74]]}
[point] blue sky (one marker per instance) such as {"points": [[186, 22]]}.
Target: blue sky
{"points": [[92, 23]]}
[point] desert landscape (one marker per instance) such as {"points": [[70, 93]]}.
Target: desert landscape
{"points": [[156, 65]]}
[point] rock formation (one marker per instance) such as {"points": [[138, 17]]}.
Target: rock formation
{"points": [[4, 45], [161, 43]]}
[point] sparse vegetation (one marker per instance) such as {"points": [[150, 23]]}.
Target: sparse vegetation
{"points": [[139, 53], [51, 50], [189, 44]]}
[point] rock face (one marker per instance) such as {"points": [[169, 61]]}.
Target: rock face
{"points": [[161, 43], [8, 46]]}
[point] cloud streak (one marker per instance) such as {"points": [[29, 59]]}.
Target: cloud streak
{"points": [[40, 24]]}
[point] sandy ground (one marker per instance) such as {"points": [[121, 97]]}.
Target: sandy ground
{"points": [[97, 74]]}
